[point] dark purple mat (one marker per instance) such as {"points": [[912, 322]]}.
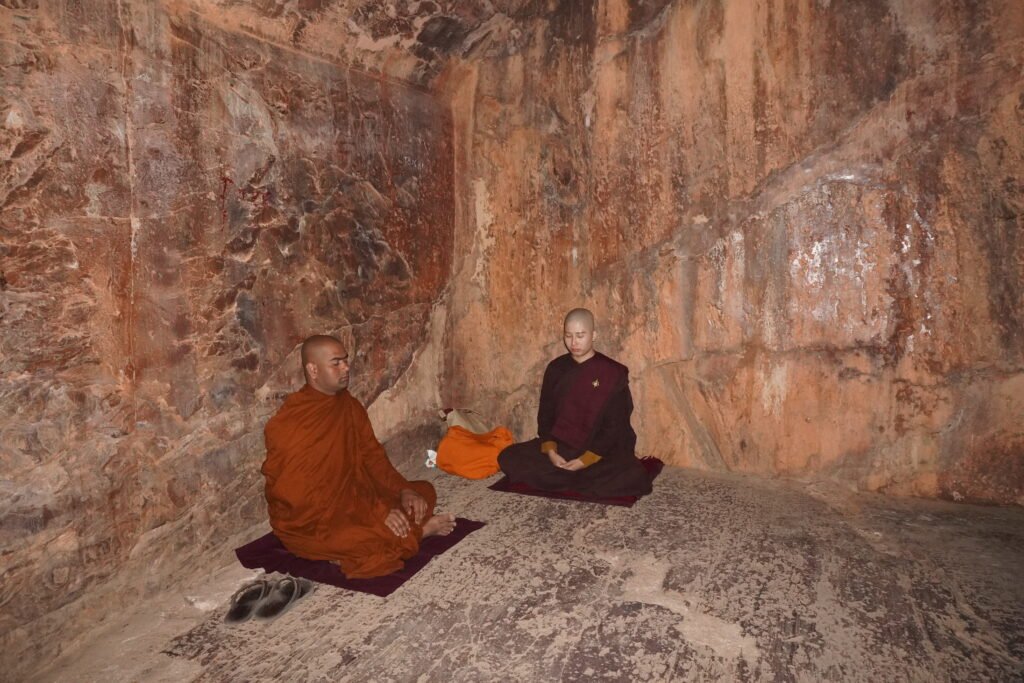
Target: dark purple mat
{"points": [[268, 553], [652, 465]]}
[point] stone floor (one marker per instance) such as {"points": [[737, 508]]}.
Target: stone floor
{"points": [[710, 577]]}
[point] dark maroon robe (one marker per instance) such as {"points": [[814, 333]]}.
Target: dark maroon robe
{"points": [[585, 410]]}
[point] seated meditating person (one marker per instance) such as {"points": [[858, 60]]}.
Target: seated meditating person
{"points": [[332, 493], [585, 443]]}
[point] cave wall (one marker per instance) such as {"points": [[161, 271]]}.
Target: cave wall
{"points": [[180, 204], [799, 224]]}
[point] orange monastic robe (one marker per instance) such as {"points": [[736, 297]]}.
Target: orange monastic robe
{"points": [[330, 485]]}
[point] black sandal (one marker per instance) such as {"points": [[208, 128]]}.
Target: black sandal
{"points": [[282, 596], [244, 601]]}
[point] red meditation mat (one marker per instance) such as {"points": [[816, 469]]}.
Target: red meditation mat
{"points": [[268, 553], [651, 464]]}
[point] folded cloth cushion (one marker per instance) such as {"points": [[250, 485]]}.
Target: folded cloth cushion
{"points": [[469, 455]]}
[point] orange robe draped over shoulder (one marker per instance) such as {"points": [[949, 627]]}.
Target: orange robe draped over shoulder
{"points": [[330, 485]]}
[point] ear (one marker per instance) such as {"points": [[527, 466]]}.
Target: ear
{"points": [[311, 370]]}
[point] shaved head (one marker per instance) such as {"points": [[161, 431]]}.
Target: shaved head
{"points": [[581, 316], [578, 334], [316, 346], [325, 363]]}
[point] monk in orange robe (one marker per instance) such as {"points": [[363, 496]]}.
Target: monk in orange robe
{"points": [[332, 493]]}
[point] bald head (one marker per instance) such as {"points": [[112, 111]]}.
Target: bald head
{"points": [[578, 334], [581, 316], [317, 345], [325, 363]]}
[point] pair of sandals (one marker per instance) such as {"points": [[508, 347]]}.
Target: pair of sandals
{"points": [[267, 599]]}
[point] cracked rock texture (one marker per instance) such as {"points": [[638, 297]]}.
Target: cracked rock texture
{"points": [[799, 223], [711, 577], [179, 206]]}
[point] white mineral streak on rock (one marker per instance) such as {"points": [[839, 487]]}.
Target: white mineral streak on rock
{"points": [[14, 120], [484, 237], [414, 398], [775, 387], [812, 264], [645, 584]]}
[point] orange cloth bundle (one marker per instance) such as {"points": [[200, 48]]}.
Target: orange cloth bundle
{"points": [[469, 455]]}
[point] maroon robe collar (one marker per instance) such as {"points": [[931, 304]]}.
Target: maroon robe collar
{"points": [[597, 378]]}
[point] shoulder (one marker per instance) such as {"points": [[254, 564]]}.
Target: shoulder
{"points": [[558, 367], [611, 364], [352, 405], [291, 401], [560, 363], [350, 401]]}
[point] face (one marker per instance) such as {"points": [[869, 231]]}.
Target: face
{"points": [[579, 340], [328, 369]]}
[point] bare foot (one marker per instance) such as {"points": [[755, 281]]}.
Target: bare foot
{"points": [[439, 525]]}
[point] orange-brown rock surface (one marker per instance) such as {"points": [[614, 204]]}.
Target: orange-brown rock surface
{"points": [[179, 206], [799, 224], [798, 221]]}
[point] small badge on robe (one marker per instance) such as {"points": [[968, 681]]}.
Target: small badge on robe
{"points": [[597, 383]]}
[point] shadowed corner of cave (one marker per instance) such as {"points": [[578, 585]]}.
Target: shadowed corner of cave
{"points": [[798, 223]]}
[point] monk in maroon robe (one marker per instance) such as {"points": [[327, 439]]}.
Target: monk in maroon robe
{"points": [[332, 494], [585, 442]]}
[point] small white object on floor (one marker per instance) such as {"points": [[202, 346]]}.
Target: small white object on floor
{"points": [[431, 458]]}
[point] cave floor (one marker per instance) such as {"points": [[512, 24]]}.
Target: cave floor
{"points": [[710, 577]]}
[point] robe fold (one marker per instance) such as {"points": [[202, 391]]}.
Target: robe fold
{"points": [[330, 485], [584, 413]]}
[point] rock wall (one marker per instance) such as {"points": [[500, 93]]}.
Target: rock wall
{"points": [[798, 222], [180, 204]]}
